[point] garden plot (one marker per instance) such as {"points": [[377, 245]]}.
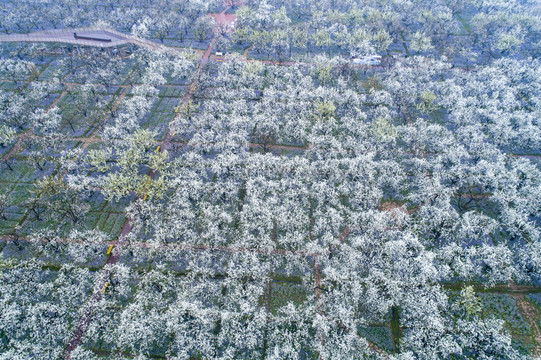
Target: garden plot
{"points": [[160, 116], [20, 78], [178, 81], [284, 293], [105, 216], [19, 251], [173, 91], [24, 171], [49, 253], [85, 255], [9, 85], [114, 71], [379, 336], [17, 187], [79, 117], [504, 307], [291, 267], [535, 298], [41, 151], [137, 257], [55, 69], [110, 223], [25, 210], [15, 210]]}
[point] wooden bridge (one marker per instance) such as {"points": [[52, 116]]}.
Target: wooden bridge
{"points": [[96, 37]]}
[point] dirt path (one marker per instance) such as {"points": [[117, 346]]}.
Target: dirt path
{"points": [[90, 307], [497, 289], [223, 18], [532, 316], [245, 53]]}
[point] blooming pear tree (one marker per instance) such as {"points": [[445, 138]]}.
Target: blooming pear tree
{"points": [[351, 181]]}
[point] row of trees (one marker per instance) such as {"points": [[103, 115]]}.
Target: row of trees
{"points": [[441, 28], [226, 304]]}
